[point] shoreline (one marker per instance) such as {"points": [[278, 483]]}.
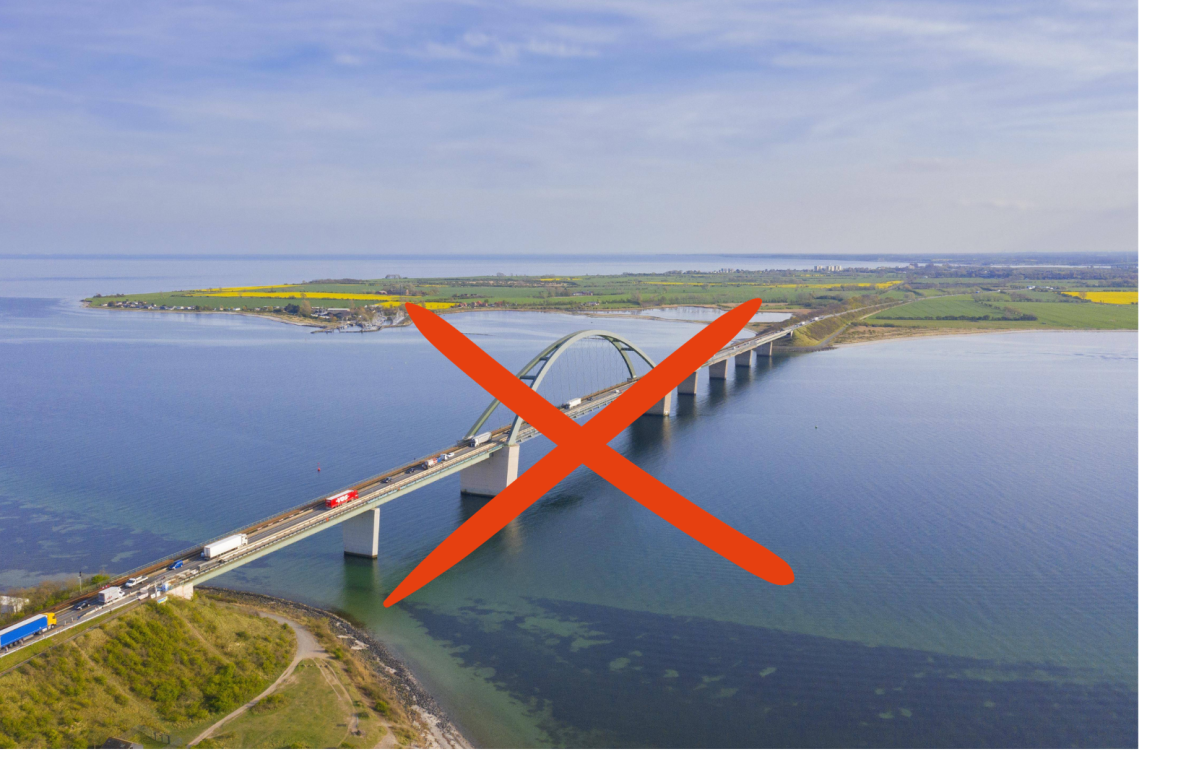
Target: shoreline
{"points": [[946, 333], [440, 730], [779, 349]]}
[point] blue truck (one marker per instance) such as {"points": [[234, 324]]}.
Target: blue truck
{"points": [[25, 629]]}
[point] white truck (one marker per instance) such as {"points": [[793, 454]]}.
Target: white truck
{"points": [[222, 546], [109, 595]]}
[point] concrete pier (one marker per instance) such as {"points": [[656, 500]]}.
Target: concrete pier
{"points": [[182, 591], [766, 350], [745, 358], [660, 409], [719, 370], [360, 534], [689, 384], [492, 475]]}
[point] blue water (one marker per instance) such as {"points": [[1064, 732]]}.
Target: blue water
{"points": [[960, 513]]}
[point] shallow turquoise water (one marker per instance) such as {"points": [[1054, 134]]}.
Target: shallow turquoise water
{"points": [[960, 514]]}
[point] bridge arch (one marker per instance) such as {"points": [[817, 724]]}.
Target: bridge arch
{"points": [[547, 357]]}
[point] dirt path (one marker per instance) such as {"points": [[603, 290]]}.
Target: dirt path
{"points": [[306, 647]]}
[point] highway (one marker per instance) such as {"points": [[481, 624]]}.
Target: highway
{"points": [[188, 568]]}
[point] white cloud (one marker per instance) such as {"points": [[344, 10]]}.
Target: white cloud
{"points": [[597, 125]]}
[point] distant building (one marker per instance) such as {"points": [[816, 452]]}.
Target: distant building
{"points": [[10, 605]]}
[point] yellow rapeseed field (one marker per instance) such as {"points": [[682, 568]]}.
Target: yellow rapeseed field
{"points": [[251, 292], [1107, 296]]}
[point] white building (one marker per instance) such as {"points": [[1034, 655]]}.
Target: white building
{"points": [[10, 605]]}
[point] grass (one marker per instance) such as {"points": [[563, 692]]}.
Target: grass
{"points": [[956, 306], [312, 709], [1053, 313], [173, 667], [286, 717], [784, 288]]}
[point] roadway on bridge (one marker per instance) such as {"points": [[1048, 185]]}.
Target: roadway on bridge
{"points": [[189, 568]]}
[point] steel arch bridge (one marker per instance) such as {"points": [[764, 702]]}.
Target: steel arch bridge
{"points": [[537, 369]]}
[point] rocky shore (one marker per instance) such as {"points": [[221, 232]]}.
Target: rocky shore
{"points": [[440, 731]]}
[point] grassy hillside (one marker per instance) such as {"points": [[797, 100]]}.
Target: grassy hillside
{"points": [[172, 667]]}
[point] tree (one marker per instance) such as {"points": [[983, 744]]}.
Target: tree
{"points": [[305, 308]]}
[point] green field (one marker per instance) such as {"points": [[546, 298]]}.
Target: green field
{"points": [[1053, 313], [173, 667], [313, 709], [964, 297], [783, 289]]}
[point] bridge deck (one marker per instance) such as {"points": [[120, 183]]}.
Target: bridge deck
{"points": [[292, 525]]}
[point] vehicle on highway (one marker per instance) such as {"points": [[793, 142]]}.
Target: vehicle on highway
{"points": [[109, 595], [415, 469], [572, 403], [475, 441], [341, 498], [386, 480], [222, 546], [176, 565], [133, 582], [19, 632]]}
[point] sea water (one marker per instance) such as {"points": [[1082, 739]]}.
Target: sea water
{"points": [[960, 514]]}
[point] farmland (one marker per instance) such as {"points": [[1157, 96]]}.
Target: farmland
{"points": [[1006, 311], [918, 298], [782, 289]]}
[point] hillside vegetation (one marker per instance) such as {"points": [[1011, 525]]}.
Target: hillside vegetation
{"points": [[173, 667]]}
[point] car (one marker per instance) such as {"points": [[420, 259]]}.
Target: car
{"points": [[413, 470], [386, 480], [176, 565]]}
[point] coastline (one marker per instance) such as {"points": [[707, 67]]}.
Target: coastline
{"points": [[947, 332], [440, 731], [829, 343]]}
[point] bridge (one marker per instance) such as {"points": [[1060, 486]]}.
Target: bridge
{"points": [[486, 462]]}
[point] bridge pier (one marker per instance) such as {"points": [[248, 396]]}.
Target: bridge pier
{"points": [[492, 475], [689, 384], [660, 409], [744, 358], [719, 370], [766, 350], [360, 534]]}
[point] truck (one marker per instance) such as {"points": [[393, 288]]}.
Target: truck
{"points": [[109, 595], [341, 498], [222, 546], [13, 634], [475, 441], [572, 403]]}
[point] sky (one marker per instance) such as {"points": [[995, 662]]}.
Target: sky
{"points": [[579, 126]]}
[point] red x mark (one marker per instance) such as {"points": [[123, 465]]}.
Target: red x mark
{"points": [[588, 444]]}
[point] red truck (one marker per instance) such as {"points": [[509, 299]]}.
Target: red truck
{"points": [[341, 498]]}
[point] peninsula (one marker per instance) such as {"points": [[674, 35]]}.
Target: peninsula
{"points": [[886, 302]]}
